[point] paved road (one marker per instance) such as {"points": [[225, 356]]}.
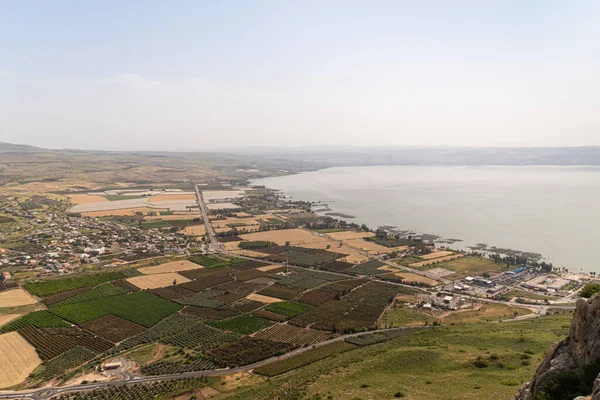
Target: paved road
{"points": [[48, 392]]}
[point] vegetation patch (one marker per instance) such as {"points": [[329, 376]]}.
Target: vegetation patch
{"points": [[39, 319], [280, 292], [289, 309], [244, 324], [48, 288], [113, 328], [248, 351]]}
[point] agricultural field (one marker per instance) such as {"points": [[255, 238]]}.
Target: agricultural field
{"points": [[247, 351], [157, 280], [201, 336], [188, 364], [202, 273], [317, 297], [412, 277], [15, 298], [209, 262], [39, 319], [6, 318], [58, 366], [437, 254], [100, 292], [293, 335], [113, 328], [209, 313], [306, 358], [271, 316], [175, 266], [154, 390], [246, 305], [367, 268], [205, 283], [205, 298], [142, 308], [249, 274], [7, 285], [280, 292], [360, 309], [86, 198], [17, 359], [263, 299], [244, 324], [466, 266], [173, 292], [421, 264], [48, 288], [303, 280], [289, 309], [194, 230], [50, 345]]}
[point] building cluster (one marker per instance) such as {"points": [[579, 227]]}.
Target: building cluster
{"points": [[59, 243]]}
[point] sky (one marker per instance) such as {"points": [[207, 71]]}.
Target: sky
{"points": [[200, 75]]}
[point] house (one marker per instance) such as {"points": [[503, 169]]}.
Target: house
{"points": [[5, 276]]}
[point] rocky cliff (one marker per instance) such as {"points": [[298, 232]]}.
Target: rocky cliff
{"points": [[570, 361]]}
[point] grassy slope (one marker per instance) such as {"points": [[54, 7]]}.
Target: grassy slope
{"points": [[428, 365]]}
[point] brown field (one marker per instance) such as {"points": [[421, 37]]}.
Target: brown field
{"points": [[263, 299], [221, 223], [122, 212], [294, 236], [4, 319], [16, 297], [17, 359], [373, 247], [249, 253], [221, 230], [196, 230], [412, 277], [157, 281], [175, 266], [170, 197], [269, 267], [435, 260], [437, 254], [86, 198], [349, 235]]}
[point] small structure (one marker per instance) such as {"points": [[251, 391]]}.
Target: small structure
{"points": [[5, 276]]}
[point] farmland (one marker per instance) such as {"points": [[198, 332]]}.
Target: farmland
{"points": [[113, 328], [248, 351], [142, 308], [48, 288], [15, 298], [293, 335], [175, 266], [100, 292], [202, 336], [279, 291], [308, 357], [57, 366], [17, 359], [158, 280], [288, 309], [244, 324], [39, 319], [50, 345]]}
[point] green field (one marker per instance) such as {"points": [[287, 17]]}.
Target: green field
{"points": [[289, 309], [209, 262], [436, 364], [100, 292], [244, 324], [142, 308], [39, 319], [48, 288]]}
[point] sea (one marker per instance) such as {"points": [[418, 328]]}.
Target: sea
{"points": [[550, 210]]}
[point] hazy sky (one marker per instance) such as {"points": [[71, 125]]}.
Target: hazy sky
{"points": [[178, 75]]}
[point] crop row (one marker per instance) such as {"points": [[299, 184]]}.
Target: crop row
{"points": [[162, 367], [293, 335], [248, 351], [40, 319], [68, 360], [139, 391], [308, 357], [51, 345], [113, 328], [100, 292], [142, 308], [202, 336], [244, 324], [48, 288]]}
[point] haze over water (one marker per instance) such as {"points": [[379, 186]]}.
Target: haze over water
{"points": [[554, 211]]}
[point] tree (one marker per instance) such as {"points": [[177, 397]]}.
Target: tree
{"points": [[287, 244], [589, 290]]}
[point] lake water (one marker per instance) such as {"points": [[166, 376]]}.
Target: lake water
{"points": [[554, 211]]}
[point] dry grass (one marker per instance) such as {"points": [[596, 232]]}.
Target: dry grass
{"points": [[269, 267], [16, 297], [86, 198], [174, 266], [294, 236], [224, 222], [170, 197], [412, 277], [437, 254], [249, 253], [196, 230], [157, 281], [263, 299], [4, 319], [174, 217], [17, 359], [435, 260], [122, 212]]}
